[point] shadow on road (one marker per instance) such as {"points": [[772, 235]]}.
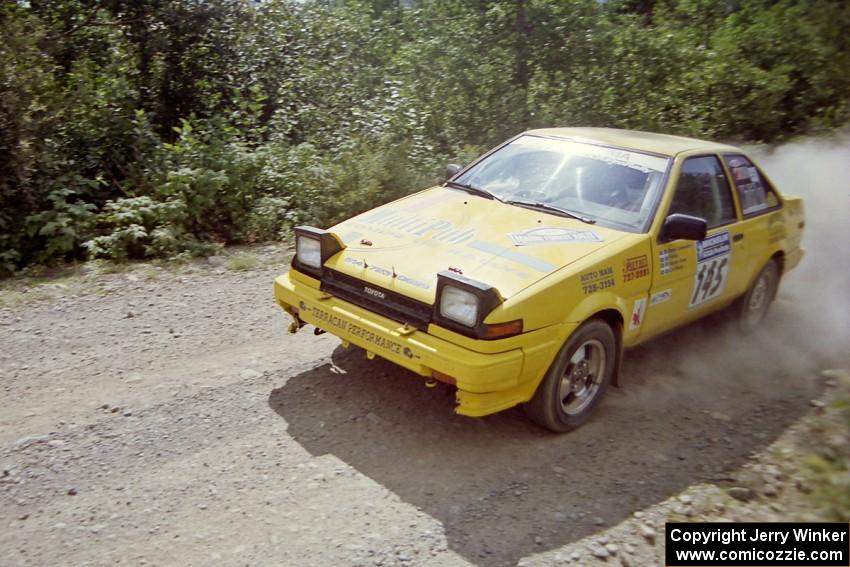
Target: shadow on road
{"points": [[692, 405]]}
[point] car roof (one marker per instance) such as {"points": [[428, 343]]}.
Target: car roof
{"points": [[664, 144]]}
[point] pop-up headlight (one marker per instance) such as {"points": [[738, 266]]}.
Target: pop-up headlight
{"points": [[463, 303], [313, 247], [459, 305], [308, 250]]}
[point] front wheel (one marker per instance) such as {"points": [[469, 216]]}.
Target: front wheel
{"points": [[755, 303], [577, 380]]}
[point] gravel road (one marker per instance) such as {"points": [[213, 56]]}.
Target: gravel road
{"points": [[167, 418], [170, 419]]}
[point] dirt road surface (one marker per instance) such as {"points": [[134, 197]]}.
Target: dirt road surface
{"points": [[169, 419], [174, 421]]}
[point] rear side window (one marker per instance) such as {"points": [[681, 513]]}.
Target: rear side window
{"points": [[703, 191], [753, 191]]}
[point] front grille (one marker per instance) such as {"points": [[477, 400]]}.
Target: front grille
{"points": [[392, 305]]}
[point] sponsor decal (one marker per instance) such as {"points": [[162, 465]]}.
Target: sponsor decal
{"points": [[385, 272], [712, 268], [553, 236], [637, 314], [597, 280], [660, 297], [415, 224], [672, 259], [436, 231], [433, 231], [365, 335], [641, 162], [713, 246], [635, 268]]}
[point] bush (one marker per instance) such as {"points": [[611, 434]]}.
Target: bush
{"points": [[221, 122], [63, 226], [269, 219], [139, 227]]}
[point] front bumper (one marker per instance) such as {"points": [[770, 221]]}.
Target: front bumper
{"points": [[506, 374]]}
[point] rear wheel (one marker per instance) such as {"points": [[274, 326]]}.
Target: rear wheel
{"points": [[577, 380], [754, 305]]}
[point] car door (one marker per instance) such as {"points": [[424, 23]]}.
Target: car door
{"points": [[762, 222], [689, 278]]}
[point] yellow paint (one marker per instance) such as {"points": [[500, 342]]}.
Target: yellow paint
{"points": [[553, 288]]}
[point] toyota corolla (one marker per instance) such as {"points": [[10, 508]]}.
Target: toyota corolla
{"points": [[523, 277]]}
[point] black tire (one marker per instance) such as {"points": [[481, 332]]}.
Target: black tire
{"points": [[575, 384], [753, 306]]}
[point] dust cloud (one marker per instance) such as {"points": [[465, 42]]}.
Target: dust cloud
{"points": [[815, 297], [808, 327]]}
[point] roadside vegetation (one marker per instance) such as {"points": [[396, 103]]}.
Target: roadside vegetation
{"points": [[167, 128], [829, 466], [38, 283]]}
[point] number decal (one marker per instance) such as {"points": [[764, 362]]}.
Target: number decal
{"points": [[709, 279], [712, 268], [718, 280], [698, 284]]}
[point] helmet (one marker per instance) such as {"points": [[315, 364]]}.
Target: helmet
{"points": [[740, 170]]}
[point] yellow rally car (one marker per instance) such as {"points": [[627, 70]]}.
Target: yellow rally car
{"points": [[523, 277]]}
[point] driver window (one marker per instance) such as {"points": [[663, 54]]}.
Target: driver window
{"points": [[703, 191]]}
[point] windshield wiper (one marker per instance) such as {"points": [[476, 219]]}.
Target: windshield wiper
{"points": [[474, 190], [551, 208]]}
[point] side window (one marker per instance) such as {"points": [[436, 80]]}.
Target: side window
{"points": [[754, 192], [703, 191]]}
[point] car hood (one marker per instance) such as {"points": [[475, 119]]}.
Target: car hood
{"points": [[403, 245]]}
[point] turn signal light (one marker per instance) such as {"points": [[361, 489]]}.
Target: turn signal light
{"points": [[502, 330]]}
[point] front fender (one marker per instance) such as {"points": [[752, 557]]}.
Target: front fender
{"points": [[596, 303]]}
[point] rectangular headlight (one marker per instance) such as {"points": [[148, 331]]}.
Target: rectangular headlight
{"points": [[308, 250], [314, 247], [463, 303], [459, 305]]}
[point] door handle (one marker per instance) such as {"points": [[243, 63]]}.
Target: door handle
{"points": [[738, 237]]}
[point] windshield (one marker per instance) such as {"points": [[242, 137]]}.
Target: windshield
{"points": [[611, 186]]}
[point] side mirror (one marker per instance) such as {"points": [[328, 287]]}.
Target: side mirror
{"points": [[451, 170], [683, 226]]}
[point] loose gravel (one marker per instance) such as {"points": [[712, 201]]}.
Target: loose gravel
{"points": [[168, 419]]}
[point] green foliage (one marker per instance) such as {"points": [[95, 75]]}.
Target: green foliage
{"points": [[829, 471], [242, 262], [63, 225], [269, 219], [831, 480], [141, 129], [139, 227]]}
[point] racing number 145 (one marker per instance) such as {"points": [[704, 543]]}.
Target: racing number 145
{"points": [[710, 280]]}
